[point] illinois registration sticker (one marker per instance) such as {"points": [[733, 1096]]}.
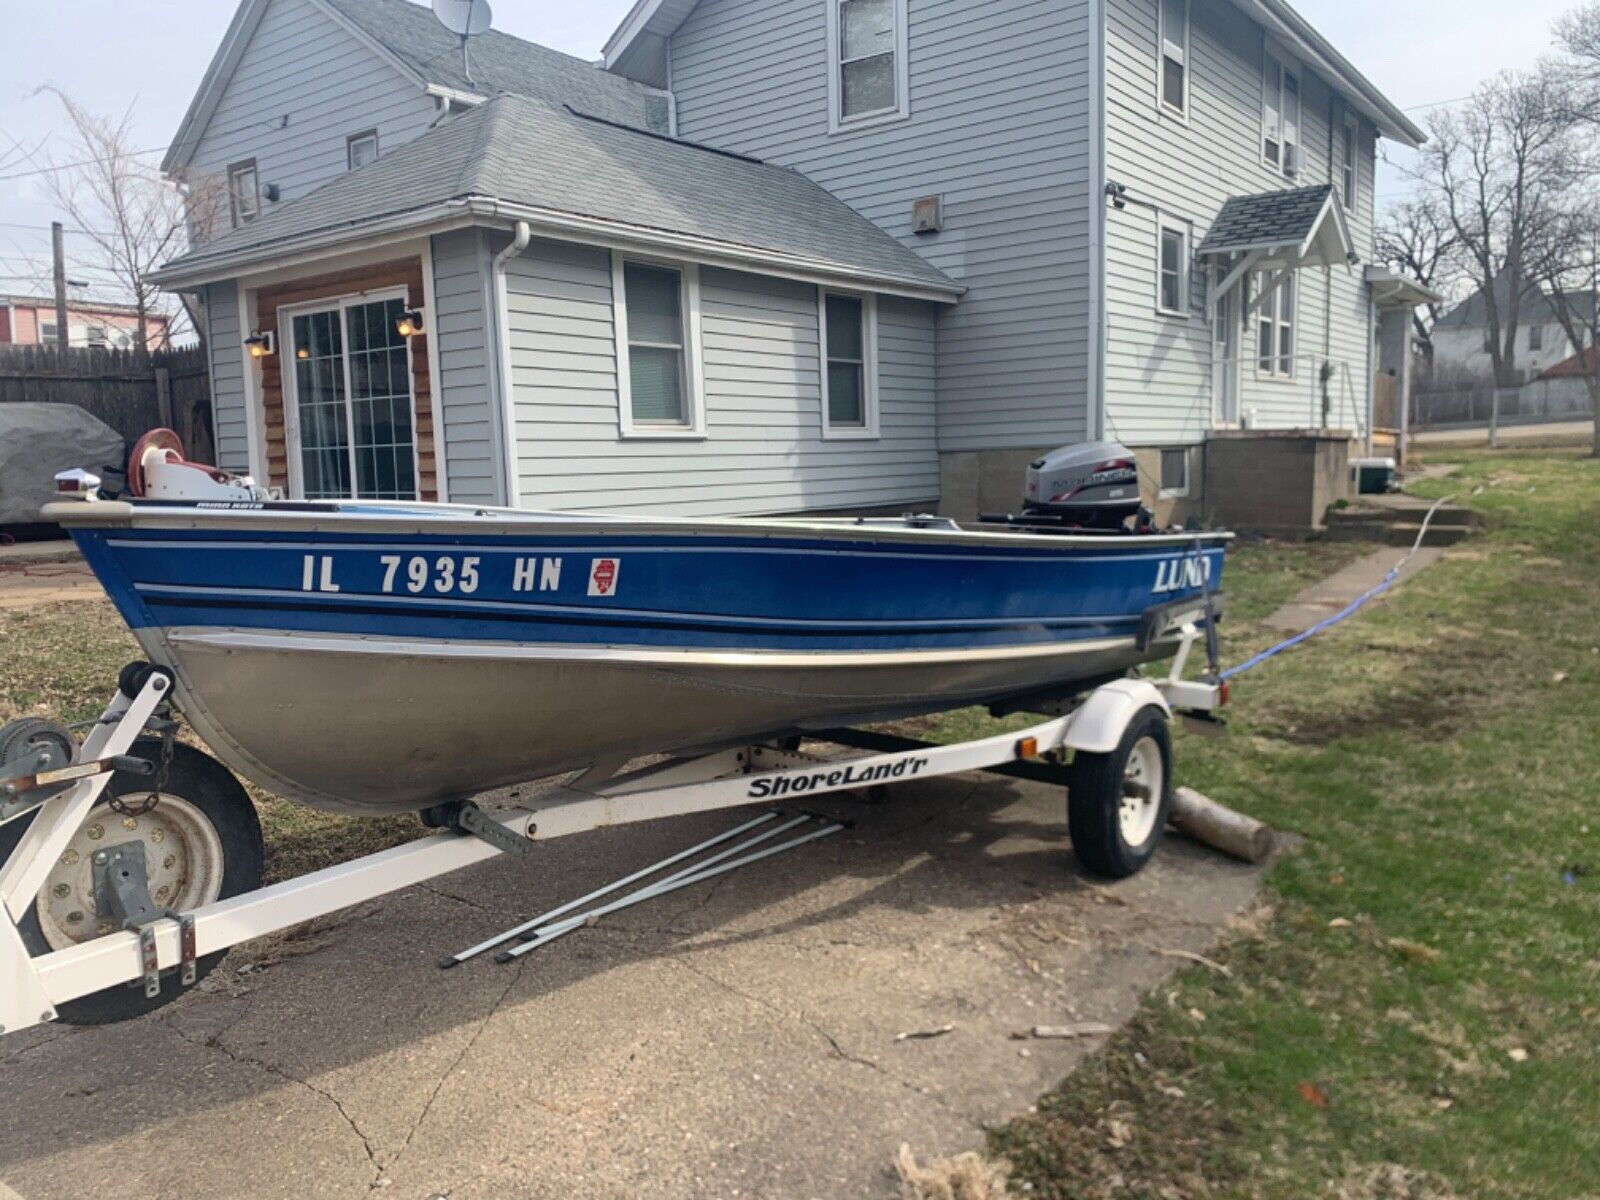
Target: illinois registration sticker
{"points": [[603, 576]]}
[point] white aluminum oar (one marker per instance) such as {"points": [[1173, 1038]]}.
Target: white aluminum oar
{"points": [[545, 918], [562, 928]]}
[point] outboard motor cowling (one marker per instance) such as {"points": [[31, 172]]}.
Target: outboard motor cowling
{"points": [[1094, 485]]}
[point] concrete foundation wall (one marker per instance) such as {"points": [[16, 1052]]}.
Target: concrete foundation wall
{"points": [[1275, 481]]}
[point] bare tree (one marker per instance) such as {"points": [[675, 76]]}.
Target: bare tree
{"points": [[1417, 239], [1564, 262], [132, 218], [1496, 165]]}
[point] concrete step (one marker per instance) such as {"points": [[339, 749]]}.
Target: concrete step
{"points": [[1401, 510], [1389, 533]]}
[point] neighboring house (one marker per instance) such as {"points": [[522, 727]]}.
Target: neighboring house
{"points": [[31, 321], [1461, 336], [780, 255]]}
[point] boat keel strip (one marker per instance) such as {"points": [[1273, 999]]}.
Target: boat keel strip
{"points": [[31, 987]]}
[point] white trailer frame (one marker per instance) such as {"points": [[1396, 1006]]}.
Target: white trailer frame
{"points": [[32, 987]]}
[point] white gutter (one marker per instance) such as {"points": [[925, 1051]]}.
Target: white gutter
{"points": [[502, 333], [558, 226], [596, 231]]}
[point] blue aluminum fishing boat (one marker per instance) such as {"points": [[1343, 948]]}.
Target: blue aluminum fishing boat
{"points": [[371, 657]]}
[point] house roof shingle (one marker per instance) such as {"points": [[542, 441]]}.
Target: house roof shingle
{"points": [[1266, 219], [502, 63], [1537, 307], [532, 154]]}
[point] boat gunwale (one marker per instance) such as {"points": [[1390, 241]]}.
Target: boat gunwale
{"points": [[437, 520]]}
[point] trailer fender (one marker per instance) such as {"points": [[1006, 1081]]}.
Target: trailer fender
{"points": [[1098, 725]]}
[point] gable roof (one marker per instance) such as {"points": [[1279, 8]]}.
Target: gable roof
{"points": [[1267, 219], [1578, 366], [502, 63], [1285, 230], [637, 49], [1537, 306], [409, 39], [613, 183]]}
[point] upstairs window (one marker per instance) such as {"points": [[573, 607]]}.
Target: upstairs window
{"points": [[244, 193], [849, 366], [1535, 337], [1174, 41], [1280, 113], [867, 53], [1275, 325], [1349, 171], [1172, 267], [361, 148], [656, 313]]}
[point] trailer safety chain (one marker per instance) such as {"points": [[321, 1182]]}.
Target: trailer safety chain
{"points": [[1349, 610], [163, 768]]}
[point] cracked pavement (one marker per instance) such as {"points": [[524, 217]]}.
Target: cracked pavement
{"points": [[737, 1038]]}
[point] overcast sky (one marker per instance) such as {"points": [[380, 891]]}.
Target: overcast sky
{"points": [[150, 54]]}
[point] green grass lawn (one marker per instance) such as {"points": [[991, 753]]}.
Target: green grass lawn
{"points": [[1416, 1012]]}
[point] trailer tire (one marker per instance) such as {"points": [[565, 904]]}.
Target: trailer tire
{"points": [[209, 793], [1113, 833]]}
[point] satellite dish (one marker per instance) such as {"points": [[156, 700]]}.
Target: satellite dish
{"points": [[464, 18]]}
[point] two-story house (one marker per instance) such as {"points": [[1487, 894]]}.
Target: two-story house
{"points": [[779, 255], [1462, 337]]}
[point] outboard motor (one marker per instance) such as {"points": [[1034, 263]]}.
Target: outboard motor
{"points": [[1093, 485]]}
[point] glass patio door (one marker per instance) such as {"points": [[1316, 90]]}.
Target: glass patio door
{"points": [[353, 403]]}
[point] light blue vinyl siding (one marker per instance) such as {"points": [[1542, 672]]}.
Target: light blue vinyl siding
{"points": [[1159, 368], [467, 396], [999, 125], [763, 451], [229, 412], [303, 84]]}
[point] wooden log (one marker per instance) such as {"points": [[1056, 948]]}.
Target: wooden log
{"points": [[1221, 828]]}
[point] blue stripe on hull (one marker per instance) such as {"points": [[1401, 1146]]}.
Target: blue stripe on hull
{"points": [[793, 593]]}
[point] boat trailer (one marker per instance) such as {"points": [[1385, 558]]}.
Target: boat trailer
{"points": [[1109, 748]]}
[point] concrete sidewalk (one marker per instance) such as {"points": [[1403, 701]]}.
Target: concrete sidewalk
{"points": [[734, 1040], [1331, 595]]}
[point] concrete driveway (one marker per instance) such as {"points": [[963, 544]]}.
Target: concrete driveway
{"points": [[737, 1039]]}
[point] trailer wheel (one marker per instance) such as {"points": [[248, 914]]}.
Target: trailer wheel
{"points": [[202, 843], [1117, 803]]}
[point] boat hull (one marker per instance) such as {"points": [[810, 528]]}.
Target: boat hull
{"points": [[380, 660]]}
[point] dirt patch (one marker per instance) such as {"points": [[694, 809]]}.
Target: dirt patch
{"points": [[1446, 686]]}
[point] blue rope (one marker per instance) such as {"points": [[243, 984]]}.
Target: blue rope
{"points": [[1348, 611]]}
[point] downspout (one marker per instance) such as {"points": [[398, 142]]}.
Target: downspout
{"points": [[1095, 414], [502, 333]]}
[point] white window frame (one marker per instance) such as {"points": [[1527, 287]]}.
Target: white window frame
{"points": [[355, 139], [1350, 176], [1175, 493], [1164, 226], [1178, 112], [1287, 65], [837, 121], [288, 381], [869, 367], [236, 210], [694, 380], [1272, 309]]}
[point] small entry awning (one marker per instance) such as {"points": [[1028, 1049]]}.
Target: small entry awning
{"points": [[1390, 289], [1278, 231]]}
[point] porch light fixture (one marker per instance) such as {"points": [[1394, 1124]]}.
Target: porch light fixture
{"points": [[409, 323], [261, 344]]}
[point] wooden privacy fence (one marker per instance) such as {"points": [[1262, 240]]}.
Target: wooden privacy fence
{"points": [[130, 393]]}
